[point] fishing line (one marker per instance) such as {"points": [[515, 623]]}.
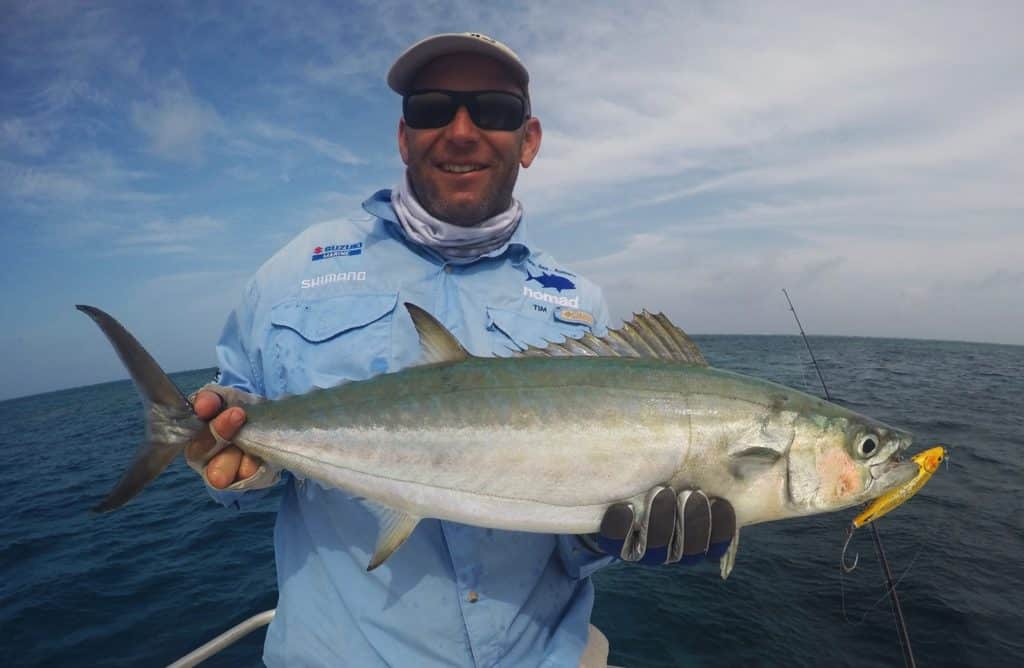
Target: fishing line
{"points": [[897, 611], [802, 364], [842, 590]]}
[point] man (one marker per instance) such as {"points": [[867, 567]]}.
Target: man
{"points": [[325, 310]]}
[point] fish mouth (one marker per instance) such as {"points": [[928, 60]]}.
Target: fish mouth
{"points": [[889, 475]]}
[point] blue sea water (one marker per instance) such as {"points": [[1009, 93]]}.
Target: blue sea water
{"points": [[146, 584]]}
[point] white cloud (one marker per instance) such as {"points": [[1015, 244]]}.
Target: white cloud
{"points": [[32, 183], [279, 134], [32, 139], [167, 237], [175, 121], [734, 89]]}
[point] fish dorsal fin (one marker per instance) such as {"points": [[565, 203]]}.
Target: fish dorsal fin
{"points": [[436, 342], [646, 335], [395, 527]]}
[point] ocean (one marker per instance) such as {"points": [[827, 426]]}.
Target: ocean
{"points": [[146, 584]]}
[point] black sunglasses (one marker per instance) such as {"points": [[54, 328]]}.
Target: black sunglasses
{"points": [[489, 109]]}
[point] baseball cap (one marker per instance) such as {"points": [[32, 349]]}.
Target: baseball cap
{"points": [[403, 72]]}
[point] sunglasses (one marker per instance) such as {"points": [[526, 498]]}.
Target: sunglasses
{"points": [[489, 109]]}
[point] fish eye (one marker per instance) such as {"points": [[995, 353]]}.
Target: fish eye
{"points": [[867, 446]]}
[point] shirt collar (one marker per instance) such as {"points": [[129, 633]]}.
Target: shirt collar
{"points": [[379, 205]]}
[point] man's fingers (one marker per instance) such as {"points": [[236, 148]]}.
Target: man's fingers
{"points": [[696, 524], [223, 468], [226, 425], [616, 528], [207, 404], [249, 466], [229, 422], [230, 464], [661, 524], [723, 528]]}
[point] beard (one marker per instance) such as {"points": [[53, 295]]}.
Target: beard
{"points": [[495, 196]]}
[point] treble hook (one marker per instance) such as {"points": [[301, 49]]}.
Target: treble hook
{"points": [[848, 568]]}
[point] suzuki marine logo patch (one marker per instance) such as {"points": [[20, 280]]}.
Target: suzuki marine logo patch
{"points": [[337, 250]]}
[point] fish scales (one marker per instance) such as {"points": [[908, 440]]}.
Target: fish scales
{"points": [[556, 432], [546, 441], [551, 433]]}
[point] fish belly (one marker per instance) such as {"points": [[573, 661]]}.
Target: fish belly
{"points": [[557, 480]]}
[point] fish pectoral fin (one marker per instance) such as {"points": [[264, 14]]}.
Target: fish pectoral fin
{"points": [[752, 462], [727, 561], [395, 527], [437, 344]]}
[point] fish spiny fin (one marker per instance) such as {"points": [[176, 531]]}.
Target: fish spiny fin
{"points": [[395, 527], [436, 342], [646, 335]]}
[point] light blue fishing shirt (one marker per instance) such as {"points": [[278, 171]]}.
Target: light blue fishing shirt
{"points": [[326, 309]]}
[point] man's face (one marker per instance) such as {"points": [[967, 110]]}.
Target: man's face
{"points": [[436, 159]]}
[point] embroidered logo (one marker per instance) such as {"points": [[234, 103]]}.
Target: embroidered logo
{"points": [[337, 250], [555, 281], [557, 300], [574, 316], [324, 279]]}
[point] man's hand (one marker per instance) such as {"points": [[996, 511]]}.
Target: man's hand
{"points": [[230, 464], [685, 528]]}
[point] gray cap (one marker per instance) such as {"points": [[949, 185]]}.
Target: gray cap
{"points": [[404, 71]]}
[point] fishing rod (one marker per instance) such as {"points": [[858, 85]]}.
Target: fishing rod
{"points": [[897, 611]]}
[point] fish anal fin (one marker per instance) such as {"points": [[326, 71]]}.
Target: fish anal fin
{"points": [[436, 342], [395, 527]]}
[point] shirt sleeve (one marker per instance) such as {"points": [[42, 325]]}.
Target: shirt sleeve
{"points": [[239, 369], [237, 365], [579, 560], [601, 316]]}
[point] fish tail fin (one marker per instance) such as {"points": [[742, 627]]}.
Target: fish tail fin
{"points": [[170, 421]]}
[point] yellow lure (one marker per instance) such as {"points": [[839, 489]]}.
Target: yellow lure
{"points": [[927, 461]]}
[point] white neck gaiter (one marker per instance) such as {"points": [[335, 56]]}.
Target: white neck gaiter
{"points": [[454, 243]]}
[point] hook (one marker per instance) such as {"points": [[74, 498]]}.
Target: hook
{"points": [[848, 568]]}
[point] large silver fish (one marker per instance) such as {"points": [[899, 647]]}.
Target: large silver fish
{"points": [[545, 441]]}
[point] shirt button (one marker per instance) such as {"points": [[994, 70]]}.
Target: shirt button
{"points": [[447, 269], [472, 597]]}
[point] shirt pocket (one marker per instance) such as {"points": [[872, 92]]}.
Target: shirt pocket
{"points": [[323, 342], [513, 331]]}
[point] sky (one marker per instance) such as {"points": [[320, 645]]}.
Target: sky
{"points": [[697, 158]]}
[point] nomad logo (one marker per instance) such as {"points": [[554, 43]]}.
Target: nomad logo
{"points": [[574, 302], [324, 279], [547, 280], [337, 250]]}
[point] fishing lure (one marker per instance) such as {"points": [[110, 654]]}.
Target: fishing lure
{"points": [[928, 462]]}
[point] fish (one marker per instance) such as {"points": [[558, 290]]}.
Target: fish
{"points": [[547, 280], [544, 440], [928, 462]]}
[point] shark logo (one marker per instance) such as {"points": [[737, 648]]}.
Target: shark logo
{"points": [[547, 280]]}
